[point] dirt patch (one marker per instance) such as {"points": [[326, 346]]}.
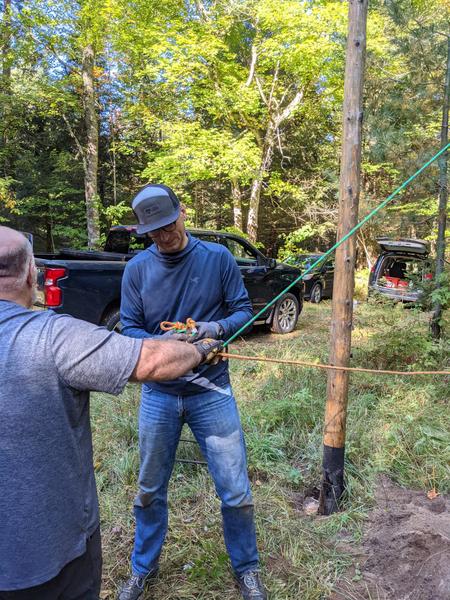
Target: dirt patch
{"points": [[405, 554]]}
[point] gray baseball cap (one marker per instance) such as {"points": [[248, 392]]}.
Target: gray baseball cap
{"points": [[155, 206]]}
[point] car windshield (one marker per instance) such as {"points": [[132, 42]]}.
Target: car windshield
{"points": [[305, 260]]}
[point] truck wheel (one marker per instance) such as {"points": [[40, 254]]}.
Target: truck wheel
{"points": [[112, 320], [316, 293], [285, 314]]}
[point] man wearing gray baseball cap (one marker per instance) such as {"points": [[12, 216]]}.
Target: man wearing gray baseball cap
{"points": [[179, 277], [155, 206]]}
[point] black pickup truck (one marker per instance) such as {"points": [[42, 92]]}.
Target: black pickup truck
{"points": [[86, 284]]}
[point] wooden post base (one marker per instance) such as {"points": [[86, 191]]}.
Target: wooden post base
{"points": [[333, 485]]}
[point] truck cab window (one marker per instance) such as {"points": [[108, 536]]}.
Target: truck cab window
{"points": [[243, 255], [118, 241], [139, 243]]}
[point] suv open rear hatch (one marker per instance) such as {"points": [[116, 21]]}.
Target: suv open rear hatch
{"points": [[404, 246]]}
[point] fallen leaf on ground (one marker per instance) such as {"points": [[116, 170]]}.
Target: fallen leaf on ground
{"points": [[432, 494]]}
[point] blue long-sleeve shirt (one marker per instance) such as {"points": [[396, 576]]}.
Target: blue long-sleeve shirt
{"points": [[203, 282]]}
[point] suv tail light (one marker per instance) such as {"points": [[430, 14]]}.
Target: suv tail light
{"points": [[52, 292]]}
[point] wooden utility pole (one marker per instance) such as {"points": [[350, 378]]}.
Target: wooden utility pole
{"points": [[344, 283], [443, 199]]}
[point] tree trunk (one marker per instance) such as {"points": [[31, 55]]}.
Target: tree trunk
{"points": [[6, 47], [443, 199], [237, 204], [276, 117], [91, 150], [5, 84], [255, 194], [344, 282], [50, 245], [367, 254]]}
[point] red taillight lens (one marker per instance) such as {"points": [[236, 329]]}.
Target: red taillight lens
{"points": [[53, 294], [372, 270]]}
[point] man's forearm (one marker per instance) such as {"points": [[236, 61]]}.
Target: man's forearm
{"points": [[235, 321], [165, 360]]}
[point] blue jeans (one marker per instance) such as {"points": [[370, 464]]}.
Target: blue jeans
{"points": [[214, 420]]}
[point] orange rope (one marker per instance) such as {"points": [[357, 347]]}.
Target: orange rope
{"points": [[304, 363], [178, 326], [190, 325]]}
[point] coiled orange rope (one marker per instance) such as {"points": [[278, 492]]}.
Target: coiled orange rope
{"points": [[178, 326]]}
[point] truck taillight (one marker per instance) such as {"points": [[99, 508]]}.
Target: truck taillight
{"points": [[52, 292]]}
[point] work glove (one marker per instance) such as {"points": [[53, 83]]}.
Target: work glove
{"points": [[207, 329], [208, 348], [174, 335]]}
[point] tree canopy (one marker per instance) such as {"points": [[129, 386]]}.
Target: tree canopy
{"points": [[236, 104]]}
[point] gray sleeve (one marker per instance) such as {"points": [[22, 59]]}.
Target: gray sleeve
{"points": [[88, 357]]}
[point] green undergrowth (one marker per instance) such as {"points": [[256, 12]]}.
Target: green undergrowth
{"points": [[396, 425]]}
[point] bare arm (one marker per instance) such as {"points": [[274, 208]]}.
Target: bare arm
{"points": [[165, 360]]}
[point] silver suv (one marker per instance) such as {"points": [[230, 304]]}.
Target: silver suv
{"points": [[402, 264]]}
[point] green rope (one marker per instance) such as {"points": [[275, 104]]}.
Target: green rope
{"points": [[337, 244]]}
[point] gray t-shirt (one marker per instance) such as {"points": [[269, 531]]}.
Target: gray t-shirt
{"points": [[48, 499]]}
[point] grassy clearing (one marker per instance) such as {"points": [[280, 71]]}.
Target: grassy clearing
{"points": [[396, 425]]}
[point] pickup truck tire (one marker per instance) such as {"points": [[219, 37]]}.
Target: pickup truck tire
{"points": [[285, 314], [112, 320]]}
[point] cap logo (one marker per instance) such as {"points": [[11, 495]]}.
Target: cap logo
{"points": [[152, 210]]}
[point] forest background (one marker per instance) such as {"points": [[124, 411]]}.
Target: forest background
{"points": [[236, 104]]}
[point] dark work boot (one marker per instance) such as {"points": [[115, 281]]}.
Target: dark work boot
{"points": [[134, 586], [251, 586]]}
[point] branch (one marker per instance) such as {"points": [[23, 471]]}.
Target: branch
{"points": [[77, 141], [261, 91], [285, 93], [201, 10], [47, 44], [289, 109], [252, 66], [274, 81], [421, 25]]}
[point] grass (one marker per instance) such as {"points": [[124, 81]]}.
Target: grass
{"points": [[396, 425]]}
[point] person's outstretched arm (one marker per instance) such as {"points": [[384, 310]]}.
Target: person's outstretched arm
{"points": [[161, 360], [92, 358]]}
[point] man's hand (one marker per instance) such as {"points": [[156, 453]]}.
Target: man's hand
{"points": [[208, 349], [175, 336], [207, 329]]}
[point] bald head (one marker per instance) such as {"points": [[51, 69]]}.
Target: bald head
{"points": [[16, 264]]}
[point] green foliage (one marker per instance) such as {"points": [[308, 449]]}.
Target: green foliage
{"points": [[432, 293], [115, 214], [7, 200], [361, 283], [297, 241], [187, 94], [408, 347]]}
